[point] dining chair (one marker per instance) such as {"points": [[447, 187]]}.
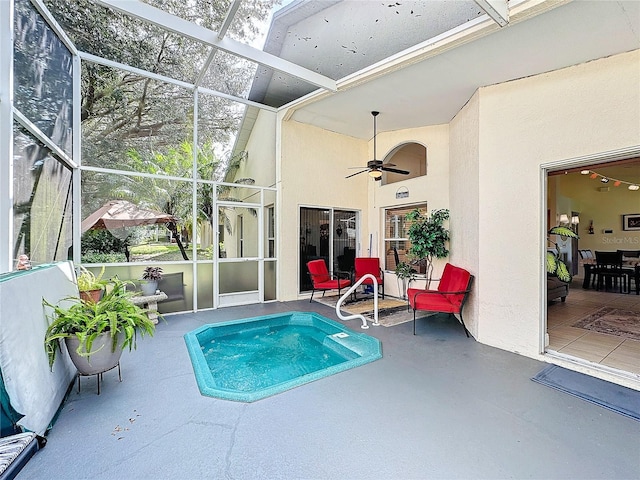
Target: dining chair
{"points": [[589, 258], [609, 270]]}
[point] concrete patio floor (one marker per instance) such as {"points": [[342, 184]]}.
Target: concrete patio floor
{"points": [[437, 405]]}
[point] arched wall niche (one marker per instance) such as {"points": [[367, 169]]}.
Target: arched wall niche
{"points": [[410, 156]]}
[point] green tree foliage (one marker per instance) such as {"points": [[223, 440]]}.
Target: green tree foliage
{"points": [[133, 123], [428, 238], [101, 240], [123, 111]]}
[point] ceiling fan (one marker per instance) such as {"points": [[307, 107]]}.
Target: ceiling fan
{"points": [[376, 167]]}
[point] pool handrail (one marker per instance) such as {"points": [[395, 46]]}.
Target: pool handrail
{"points": [[364, 325]]}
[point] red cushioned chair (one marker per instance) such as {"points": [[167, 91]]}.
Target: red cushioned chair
{"points": [[452, 293], [364, 265], [322, 280]]}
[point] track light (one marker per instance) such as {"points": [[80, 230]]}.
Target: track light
{"points": [[616, 182]]}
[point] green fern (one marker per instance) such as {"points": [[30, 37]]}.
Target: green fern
{"points": [[114, 313]]}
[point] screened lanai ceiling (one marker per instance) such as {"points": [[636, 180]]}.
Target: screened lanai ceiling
{"points": [[460, 50], [417, 62]]}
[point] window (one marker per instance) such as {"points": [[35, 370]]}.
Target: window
{"points": [[411, 157], [396, 241]]}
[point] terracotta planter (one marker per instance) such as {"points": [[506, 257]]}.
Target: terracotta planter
{"points": [[91, 295], [102, 360]]}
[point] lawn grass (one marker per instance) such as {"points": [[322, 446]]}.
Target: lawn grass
{"points": [[164, 252]]}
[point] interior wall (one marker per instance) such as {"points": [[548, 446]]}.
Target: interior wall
{"points": [[604, 208], [465, 212], [582, 110], [313, 166]]}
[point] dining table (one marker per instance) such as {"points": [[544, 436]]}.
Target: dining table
{"points": [[630, 267]]}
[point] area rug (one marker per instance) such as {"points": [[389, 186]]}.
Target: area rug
{"points": [[614, 397], [391, 311], [614, 321]]}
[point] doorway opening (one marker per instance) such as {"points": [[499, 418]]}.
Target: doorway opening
{"points": [[598, 321], [329, 234]]}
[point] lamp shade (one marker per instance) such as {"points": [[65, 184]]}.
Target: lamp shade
{"points": [[575, 220], [564, 218]]}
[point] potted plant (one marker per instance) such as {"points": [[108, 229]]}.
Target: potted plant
{"points": [[555, 266], [405, 274], [95, 333], [90, 286], [428, 238], [151, 275]]}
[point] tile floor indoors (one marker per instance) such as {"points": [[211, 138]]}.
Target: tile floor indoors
{"points": [[610, 350], [437, 405]]}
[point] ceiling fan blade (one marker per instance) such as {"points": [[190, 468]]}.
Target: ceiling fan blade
{"points": [[357, 173], [394, 170], [353, 168], [388, 165]]}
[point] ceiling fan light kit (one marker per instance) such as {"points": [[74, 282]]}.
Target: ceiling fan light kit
{"points": [[375, 166]]}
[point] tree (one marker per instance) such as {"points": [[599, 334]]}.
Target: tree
{"points": [[122, 110], [133, 123], [428, 238]]}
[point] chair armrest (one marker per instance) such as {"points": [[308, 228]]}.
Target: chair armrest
{"points": [[341, 274], [454, 293], [438, 292]]}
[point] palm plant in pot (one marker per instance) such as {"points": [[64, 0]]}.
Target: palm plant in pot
{"points": [[96, 333], [151, 276], [555, 266]]}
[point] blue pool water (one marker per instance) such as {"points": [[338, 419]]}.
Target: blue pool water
{"points": [[249, 359]]}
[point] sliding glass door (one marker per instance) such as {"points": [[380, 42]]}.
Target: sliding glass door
{"points": [[327, 234]]}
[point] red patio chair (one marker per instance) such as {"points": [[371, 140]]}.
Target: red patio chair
{"points": [[364, 265], [452, 293], [322, 280]]}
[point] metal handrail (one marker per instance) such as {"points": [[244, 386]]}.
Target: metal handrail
{"points": [[364, 325]]}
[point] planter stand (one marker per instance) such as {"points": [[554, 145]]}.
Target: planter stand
{"points": [[150, 304], [99, 376], [99, 362]]}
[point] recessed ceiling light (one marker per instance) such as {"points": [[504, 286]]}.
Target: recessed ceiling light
{"points": [[604, 180], [634, 187], [585, 172]]}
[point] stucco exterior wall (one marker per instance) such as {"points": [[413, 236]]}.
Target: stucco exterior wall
{"points": [[432, 188], [465, 202], [261, 147], [313, 164], [486, 167], [581, 110]]}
